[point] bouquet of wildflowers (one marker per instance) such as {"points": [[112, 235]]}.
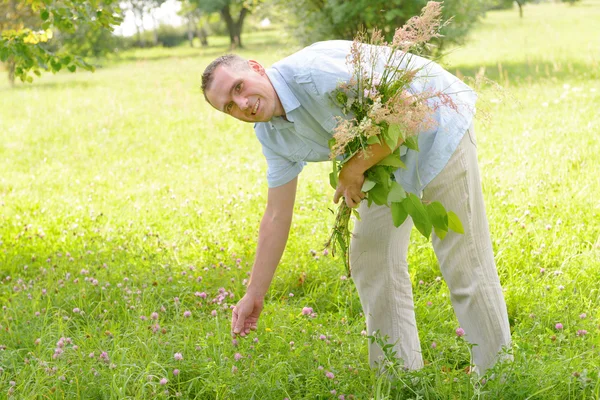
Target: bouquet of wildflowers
{"points": [[381, 108]]}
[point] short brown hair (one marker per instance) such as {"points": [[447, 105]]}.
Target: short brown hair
{"points": [[230, 60]]}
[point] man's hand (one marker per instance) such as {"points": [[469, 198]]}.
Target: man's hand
{"points": [[245, 314], [349, 186]]}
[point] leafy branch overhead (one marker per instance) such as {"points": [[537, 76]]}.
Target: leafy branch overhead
{"points": [[28, 27]]}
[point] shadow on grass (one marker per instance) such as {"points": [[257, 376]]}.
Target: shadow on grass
{"points": [[505, 74], [39, 83], [211, 51], [526, 73]]}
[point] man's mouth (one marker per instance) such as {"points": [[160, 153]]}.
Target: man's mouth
{"points": [[255, 109]]}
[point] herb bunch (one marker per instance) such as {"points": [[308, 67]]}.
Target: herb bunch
{"points": [[382, 108]]}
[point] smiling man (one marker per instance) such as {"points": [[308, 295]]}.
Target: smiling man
{"points": [[294, 120], [244, 91]]}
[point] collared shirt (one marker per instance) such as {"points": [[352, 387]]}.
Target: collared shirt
{"points": [[304, 82]]}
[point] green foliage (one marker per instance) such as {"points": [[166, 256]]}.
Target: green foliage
{"points": [[502, 5], [86, 41], [170, 36], [313, 21], [25, 44]]}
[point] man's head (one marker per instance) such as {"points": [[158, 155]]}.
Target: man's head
{"points": [[240, 88]]}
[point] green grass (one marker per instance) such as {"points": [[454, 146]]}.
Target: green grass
{"points": [[119, 189]]}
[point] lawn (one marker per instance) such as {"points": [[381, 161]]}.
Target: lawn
{"points": [[129, 212]]}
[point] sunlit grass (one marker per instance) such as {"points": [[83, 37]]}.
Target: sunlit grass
{"points": [[122, 190]]}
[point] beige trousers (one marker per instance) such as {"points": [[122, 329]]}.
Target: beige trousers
{"points": [[379, 268]]}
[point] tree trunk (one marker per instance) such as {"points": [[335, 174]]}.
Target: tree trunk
{"points": [[203, 36], [155, 31], [139, 35], [11, 71], [240, 24], [520, 9], [234, 27], [139, 25], [190, 30]]}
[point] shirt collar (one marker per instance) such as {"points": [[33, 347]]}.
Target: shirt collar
{"points": [[287, 98]]}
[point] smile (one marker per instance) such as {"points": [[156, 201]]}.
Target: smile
{"points": [[255, 107]]}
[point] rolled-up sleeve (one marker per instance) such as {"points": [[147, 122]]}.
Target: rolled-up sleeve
{"points": [[280, 170]]}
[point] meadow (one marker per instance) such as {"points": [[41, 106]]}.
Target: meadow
{"points": [[129, 212]]}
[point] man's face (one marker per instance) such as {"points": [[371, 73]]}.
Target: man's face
{"points": [[246, 94]]}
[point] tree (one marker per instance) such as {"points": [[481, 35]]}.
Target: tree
{"points": [[193, 14], [228, 9], [139, 8], [314, 20], [152, 7], [27, 26], [14, 15], [507, 4]]}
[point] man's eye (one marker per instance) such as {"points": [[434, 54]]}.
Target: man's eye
{"points": [[238, 87], [228, 107]]}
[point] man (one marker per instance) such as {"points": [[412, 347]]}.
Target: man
{"points": [[294, 119]]}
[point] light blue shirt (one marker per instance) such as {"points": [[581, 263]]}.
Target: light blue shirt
{"points": [[304, 81]]}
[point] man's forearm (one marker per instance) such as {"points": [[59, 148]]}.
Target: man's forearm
{"points": [[272, 238], [375, 153], [352, 174]]}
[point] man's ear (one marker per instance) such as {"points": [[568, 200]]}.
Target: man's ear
{"points": [[256, 67]]}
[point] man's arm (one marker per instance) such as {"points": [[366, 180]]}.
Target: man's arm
{"points": [[272, 238], [352, 174]]}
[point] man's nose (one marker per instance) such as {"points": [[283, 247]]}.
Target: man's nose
{"points": [[241, 102]]}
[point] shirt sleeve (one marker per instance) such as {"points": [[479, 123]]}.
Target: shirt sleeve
{"points": [[280, 170]]}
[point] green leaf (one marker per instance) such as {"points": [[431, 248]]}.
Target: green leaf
{"points": [[55, 65], [333, 180], [378, 174], [399, 214], [45, 15], [374, 140], [72, 68], [438, 215], [4, 52], [394, 131], [368, 185], [392, 136], [439, 218], [416, 210], [454, 223], [393, 160], [333, 176], [378, 194], [440, 233], [412, 143], [397, 193]]}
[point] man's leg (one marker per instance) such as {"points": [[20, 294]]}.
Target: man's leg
{"points": [[378, 260], [467, 260]]}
